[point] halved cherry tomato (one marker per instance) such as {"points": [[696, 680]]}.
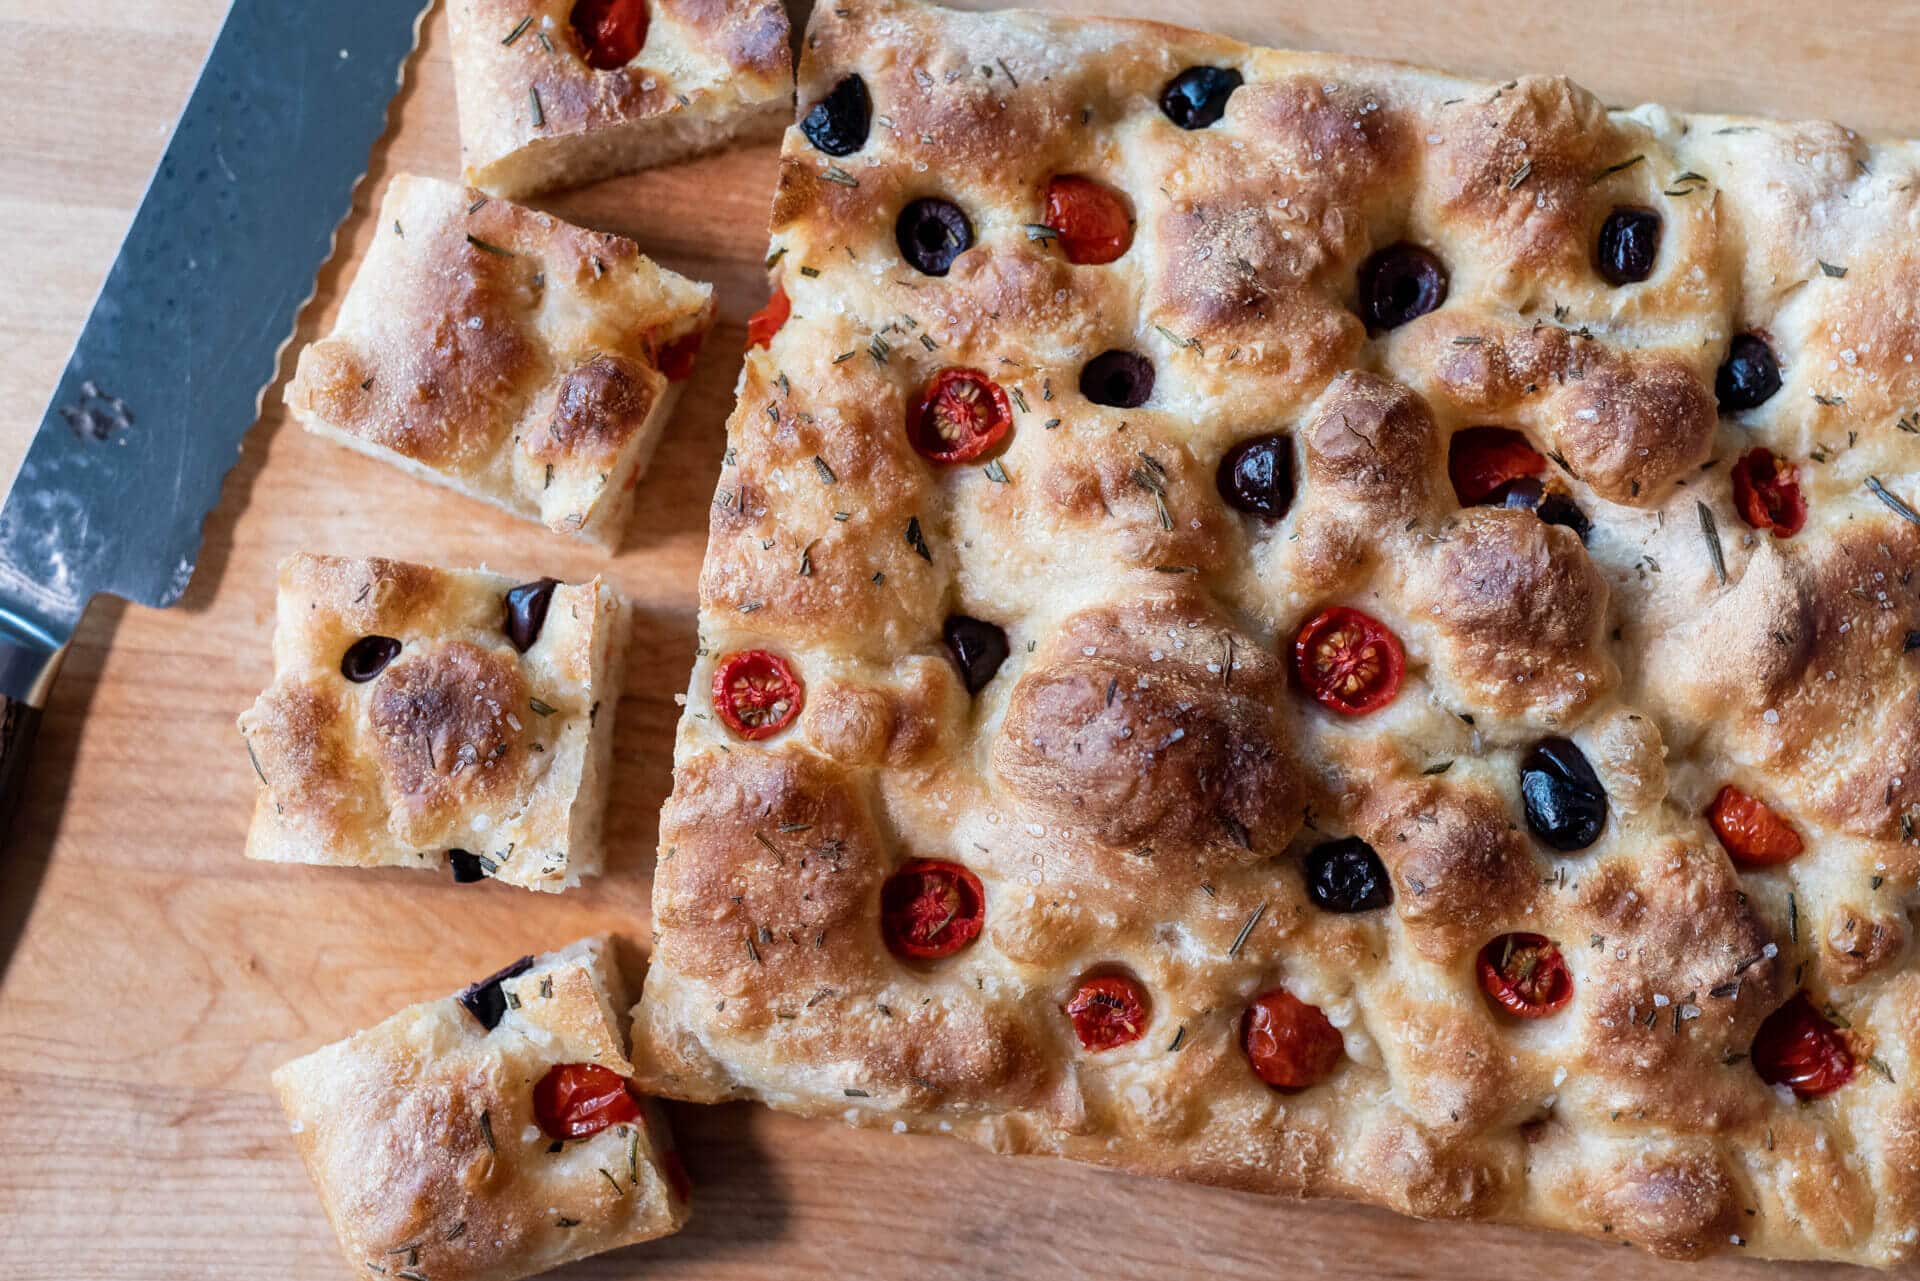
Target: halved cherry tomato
{"points": [[1751, 831], [766, 322], [1290, 1044], [1348, 660], [574, 1100], [961, 415], [756, 693], [1090, 220], [1766, 489], [931, 908], [1799, 1047], [611, 31], [1482, 459], [676, 358], [1525, 975], [1107, 1011]]}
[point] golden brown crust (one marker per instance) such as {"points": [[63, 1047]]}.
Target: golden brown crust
{"points": [[1140, 784]]}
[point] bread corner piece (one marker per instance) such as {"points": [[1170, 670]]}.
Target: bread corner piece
{"points": [[504, 353], [534, 115], [423, 717], [431, 1155]]}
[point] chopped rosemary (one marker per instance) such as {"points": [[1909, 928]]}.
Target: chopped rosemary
{"points": [[1040, 231], [1710, 530], [485, 247], [1892, 500], [917, 540], [996, 473], [539, 113], [1611, 170], [1832, 269], [835, 174], [486, 1130], [826, 473], [1240, 939], [539, 708], [518, 31]]}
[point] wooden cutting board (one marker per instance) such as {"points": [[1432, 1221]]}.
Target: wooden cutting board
{"points": [[153, 977]]}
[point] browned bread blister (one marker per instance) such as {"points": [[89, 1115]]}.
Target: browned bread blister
{"points": [[1139, 783]]}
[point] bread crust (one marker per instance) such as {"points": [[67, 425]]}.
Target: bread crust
{"points": [[1137, 784]]}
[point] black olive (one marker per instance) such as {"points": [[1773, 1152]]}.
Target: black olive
{"points": [[1400, 283], [931, 233], [466, 867], [1566, 806], [1629, 242], [485, 1001], [979, 647], [1256, 476], [1347, 876], [367, 657], [1552, 506], [838, 123], [526, 612], [1123, 379], [1750, 375], [1198, 96], [1558, 509]]}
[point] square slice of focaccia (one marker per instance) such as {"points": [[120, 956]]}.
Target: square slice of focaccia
{"points": [[506, 354], [421, 717], [559, 93], [1313, 625], [491, 1134]]}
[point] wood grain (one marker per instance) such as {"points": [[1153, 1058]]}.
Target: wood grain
{"points": [[153, 977]]}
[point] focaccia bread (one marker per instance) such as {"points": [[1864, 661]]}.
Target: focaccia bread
{"points": [[1311, 625], [506, 354], [559, 93], [421, 717], [489, 1135]]}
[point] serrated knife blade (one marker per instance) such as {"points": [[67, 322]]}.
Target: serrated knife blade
{"points": [[187, 331]]}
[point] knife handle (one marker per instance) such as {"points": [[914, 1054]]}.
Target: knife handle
{"points": [[26, 666], [18, 725]]}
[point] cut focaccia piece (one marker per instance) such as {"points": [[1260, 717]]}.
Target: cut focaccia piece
{"points": [[422, 715], [506, 354], [558, 93], [488, 1135]]}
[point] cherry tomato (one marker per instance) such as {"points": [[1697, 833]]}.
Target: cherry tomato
{"points": [[766, 322], [1766, 489], [611, 31], [1482, 459], [756, 693], [1525, 975], [1091, 220], [1751, 831], [676, 358], [574, 1100], [931, 908], [961, 415], [1799, 1047], [1108, 1011], [1349, 660], [1290, 1044]]}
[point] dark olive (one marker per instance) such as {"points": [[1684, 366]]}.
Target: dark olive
{"points": [[838, 123], [1123, 379], [1750, 375], [367, 657], [1256, 476], [1347, 876], [1629, 243], [979, 647], [1558, 509], [466, 867], [526, 612], [931, 233], [1400, 283], [1566, 806], [1552, 506], [1198, 96], [485, 1001]]}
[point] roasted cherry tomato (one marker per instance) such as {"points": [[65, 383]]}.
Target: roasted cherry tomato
{"points": [[1751, 831], [611, 31], [1482, 459], [574, 1100], [1349, 660], [676, 358], [961, 415], [756, 693], [1090, 220], [1290, 1044], [1799, 1047], [1525, 975], [1108, 1011], [1766, 489], [931, 908], [766, 322]]}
